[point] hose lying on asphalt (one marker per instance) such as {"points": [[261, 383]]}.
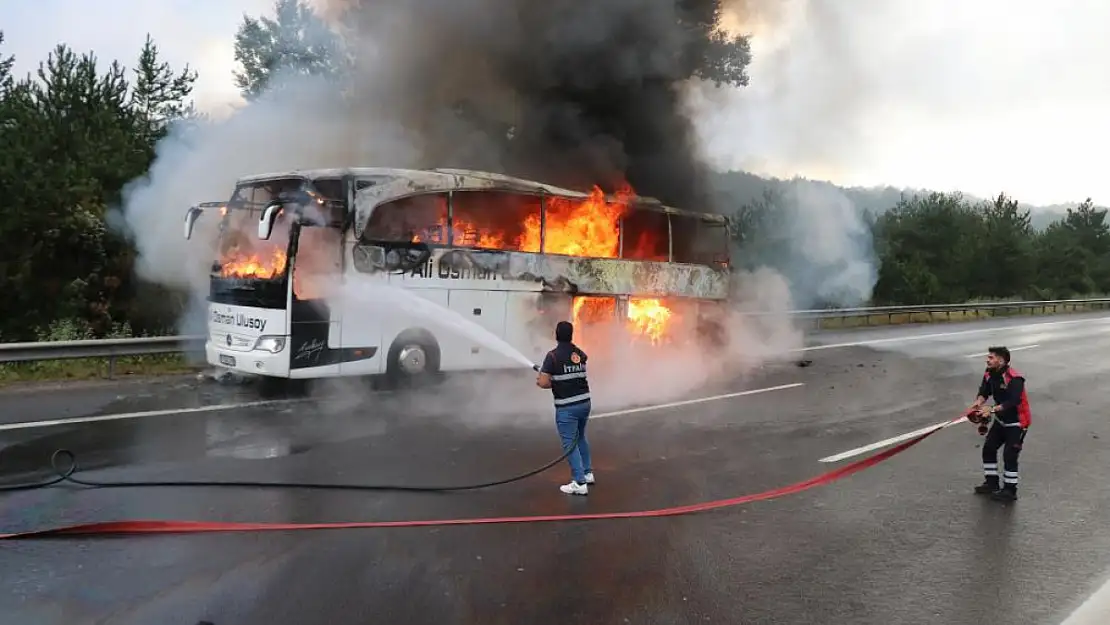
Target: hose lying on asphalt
{"points": [[67, 475], [163, 526]]}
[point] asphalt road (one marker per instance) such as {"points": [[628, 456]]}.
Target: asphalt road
{"points": [[903, 542]]}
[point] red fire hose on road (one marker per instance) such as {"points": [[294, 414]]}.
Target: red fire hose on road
{"points": [[194, 527]]}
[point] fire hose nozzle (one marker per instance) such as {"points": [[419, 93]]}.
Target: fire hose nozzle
{"points": [[536, 368]]}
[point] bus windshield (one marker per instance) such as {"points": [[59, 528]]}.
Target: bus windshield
{"points": [[240, 253]]}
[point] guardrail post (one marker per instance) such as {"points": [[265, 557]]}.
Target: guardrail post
{"points": [[111, 366]]}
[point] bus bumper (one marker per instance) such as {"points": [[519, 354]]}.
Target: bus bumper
{"points": [[252, 362]]}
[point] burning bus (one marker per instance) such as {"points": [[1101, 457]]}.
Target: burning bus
{"points": [[305, 261]]}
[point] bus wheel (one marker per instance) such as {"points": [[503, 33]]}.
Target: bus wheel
{"points": [[413, 358]]}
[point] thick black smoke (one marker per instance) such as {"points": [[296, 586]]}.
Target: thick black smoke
{"points": [[570, 92]]}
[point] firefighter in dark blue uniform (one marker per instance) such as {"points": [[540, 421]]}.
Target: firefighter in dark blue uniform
{"points": [[564, 372], [1009, 420]]}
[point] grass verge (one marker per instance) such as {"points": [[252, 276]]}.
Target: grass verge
{"points": [[83, 369], [95, 369]]}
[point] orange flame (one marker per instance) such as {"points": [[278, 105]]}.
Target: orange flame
{"points": [[587, 310], [646, 317], [237, 264], [579, 227], [466, 234], [573, 227], [649, 317]]}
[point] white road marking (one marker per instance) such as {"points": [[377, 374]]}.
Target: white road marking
{"points": [[1094, 610], [687, 402], [1012, 349], [937, 335], [890, 441], [256, 404], [146, 413], [222, 407]]}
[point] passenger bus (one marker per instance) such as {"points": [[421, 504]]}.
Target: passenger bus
{"points": [[301, 256]]}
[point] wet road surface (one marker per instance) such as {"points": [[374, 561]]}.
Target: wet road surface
{"points": [[903, 542]]}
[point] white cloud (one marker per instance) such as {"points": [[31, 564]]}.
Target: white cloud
{"points": [[983, 96], [195, 32]]}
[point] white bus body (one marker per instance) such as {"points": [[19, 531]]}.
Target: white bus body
{"points": [[293, 292]]}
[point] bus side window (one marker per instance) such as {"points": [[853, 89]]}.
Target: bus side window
{"points": [[646, 236], [318, 262], [414, 219], [496, 220], [698, 241]]}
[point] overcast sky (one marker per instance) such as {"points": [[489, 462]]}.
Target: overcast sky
{"points": [[977, 95]]}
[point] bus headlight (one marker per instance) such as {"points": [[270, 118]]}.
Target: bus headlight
{"points": [[272, 344]]}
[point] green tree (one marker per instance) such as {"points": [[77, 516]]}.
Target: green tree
{"points": [[1088, 224], [160, 96], [5, 70], [1079, 244], [1063, 266], [1008, 263], [711, 53], [293, 42], [929, 247], [73, 137]]}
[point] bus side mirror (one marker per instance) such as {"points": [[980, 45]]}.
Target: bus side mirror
{"points": [[266, 221], [191, 217]]}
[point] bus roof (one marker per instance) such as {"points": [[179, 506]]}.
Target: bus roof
{"points": [[444, 179]]}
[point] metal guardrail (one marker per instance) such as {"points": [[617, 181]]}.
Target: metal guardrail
{"points": [[116, 348], [866, 314], [1021, 305], [100, 348]]}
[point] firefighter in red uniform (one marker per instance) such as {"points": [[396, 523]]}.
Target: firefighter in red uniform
{"points": [[1009, 420]]}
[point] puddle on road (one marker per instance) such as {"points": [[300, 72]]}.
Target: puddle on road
{"points": [[225, 439], [25, 456], [258, 435]]}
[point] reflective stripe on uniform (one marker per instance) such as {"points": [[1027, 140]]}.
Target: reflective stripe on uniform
{"points": [[572, 400], [569, 376]]}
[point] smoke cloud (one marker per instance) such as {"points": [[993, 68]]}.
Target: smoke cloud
{"points": [[568, 92], [589, 93], [805, 110]]}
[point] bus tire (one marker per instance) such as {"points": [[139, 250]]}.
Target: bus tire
{"points": [[413, 359]]}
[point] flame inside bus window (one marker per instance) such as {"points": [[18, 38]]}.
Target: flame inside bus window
{"points": [[646, 236], [577, 227], [596, 226], [496, 220], [593, 319], [241, 254]]}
